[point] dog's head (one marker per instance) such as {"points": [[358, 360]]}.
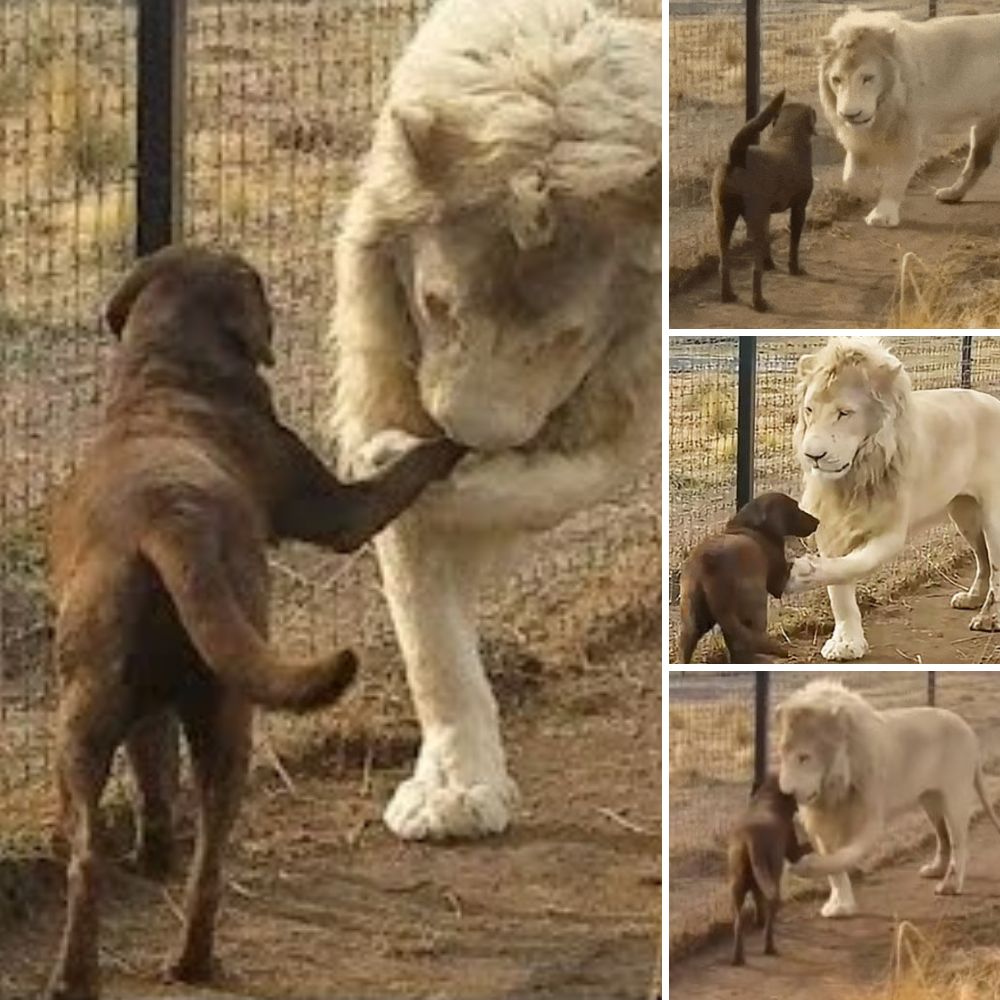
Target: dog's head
{"points": [[180, 287], [796, 118], [775, 514]]}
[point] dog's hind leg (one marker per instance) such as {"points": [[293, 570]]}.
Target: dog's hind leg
{"points": [[217, 724], [931, 801], [982, 138], [738, 896], [798, 221], [757, 231], [727, 211], [91, 723], [770, 913], [152, 748], [967, 516]]}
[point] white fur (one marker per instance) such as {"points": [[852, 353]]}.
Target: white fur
{"points": [[887, 85], [914, 457], [852, 768], [529, 129]]}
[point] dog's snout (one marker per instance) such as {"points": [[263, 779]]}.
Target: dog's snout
{"points": [[815, 458]]}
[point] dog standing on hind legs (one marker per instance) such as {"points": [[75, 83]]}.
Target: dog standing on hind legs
{"points": [[758, 181], [160, 578]]}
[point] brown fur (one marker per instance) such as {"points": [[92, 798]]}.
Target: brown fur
{"points": [[160, 577], [727, 578], [758, 181], [758, 846]]}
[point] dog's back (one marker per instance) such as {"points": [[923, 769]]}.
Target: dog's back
{"points": [[760, 843]]}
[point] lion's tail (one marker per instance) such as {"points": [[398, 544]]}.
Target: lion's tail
{"points": [[194, 573], [750, 133], [981, 792]]}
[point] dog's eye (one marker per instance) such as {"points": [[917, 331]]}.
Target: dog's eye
{"points": [[808, 411], [835, 80], [803, 758]]}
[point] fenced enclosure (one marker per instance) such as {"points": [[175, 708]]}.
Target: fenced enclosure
{"points": [[712, 736], [709, 59], [705, 430], [274, 109]]}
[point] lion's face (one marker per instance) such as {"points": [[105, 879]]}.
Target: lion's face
{"points": [[837, 416], [812, 757], [857, 76], [510, 316]]}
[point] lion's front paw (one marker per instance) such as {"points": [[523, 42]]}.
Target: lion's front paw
{"points": [[985, 621], [886, 216], [804, 575], [836, 908], [950, 195], [967, 600], [421, 810], [844, 646], [805, 867], [381, 451]]}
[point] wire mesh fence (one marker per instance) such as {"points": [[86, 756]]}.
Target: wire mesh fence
{"points": [[280, 96], [707, 93], [711, 766], [703, 430]]}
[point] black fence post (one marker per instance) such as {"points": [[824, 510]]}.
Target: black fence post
{"points": [[761, 704], [931, 688], [753, 43], [160, 86], [932, 8], [965, 369], [745, 413]]}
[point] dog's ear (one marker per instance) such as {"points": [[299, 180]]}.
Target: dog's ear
{"points": [[120, 304], [249, 319], [753, 514]]}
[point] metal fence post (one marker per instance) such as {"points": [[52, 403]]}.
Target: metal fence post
{"points": [[745, 413], [762, 701], [160, 87], [932, 8], [931, 688], [965, 368], [753, 44]]}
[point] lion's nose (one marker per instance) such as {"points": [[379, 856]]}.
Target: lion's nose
{"points": [[816, 458]]}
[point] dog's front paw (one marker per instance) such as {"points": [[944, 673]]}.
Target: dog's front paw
{"points": [[843, 646], [884, 216]]}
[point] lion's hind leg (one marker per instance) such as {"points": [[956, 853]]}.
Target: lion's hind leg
{"points": [[967, 516], [982, 138], [957, 806], [934, 807], [986, 620]]}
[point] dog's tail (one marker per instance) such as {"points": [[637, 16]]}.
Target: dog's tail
{"points": [[750, 133], [194, 573], [984, 798], [738, 635], [760, 863]]}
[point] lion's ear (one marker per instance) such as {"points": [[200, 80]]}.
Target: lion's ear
{"points": [[807, 364], [826, 45], [884, 375], [432, 144]]}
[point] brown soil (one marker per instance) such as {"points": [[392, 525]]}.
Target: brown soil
{"points": [[827, 959], [852, 268], [323, 902]]}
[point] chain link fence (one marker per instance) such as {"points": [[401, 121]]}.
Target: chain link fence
{"points": [[711, 767], [702, 439], [707, 84], [280, 100]]}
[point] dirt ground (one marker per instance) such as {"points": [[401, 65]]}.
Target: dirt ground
{"points": [[323, 902], [852, 268], [826, 959]]}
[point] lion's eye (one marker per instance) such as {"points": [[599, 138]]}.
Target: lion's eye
{"points": [[844, 413], [809, 411], [803, 758], [867, 78], [835, 80]]}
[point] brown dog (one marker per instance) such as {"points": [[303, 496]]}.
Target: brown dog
{"points": [[764, 837], [160, 576], [727, 577], [758, 181]]}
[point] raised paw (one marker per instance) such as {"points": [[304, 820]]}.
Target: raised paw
{"points": [[967, 600], [949, 195], [933, 869], [837, 909]]}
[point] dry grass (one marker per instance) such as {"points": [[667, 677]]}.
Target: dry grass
{"points": [[961, 291], [709, 742], [925, 967]]}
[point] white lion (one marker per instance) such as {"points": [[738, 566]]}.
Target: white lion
{"points": [[498, 277], [887, 84], [852, 768], [881, 461]]}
